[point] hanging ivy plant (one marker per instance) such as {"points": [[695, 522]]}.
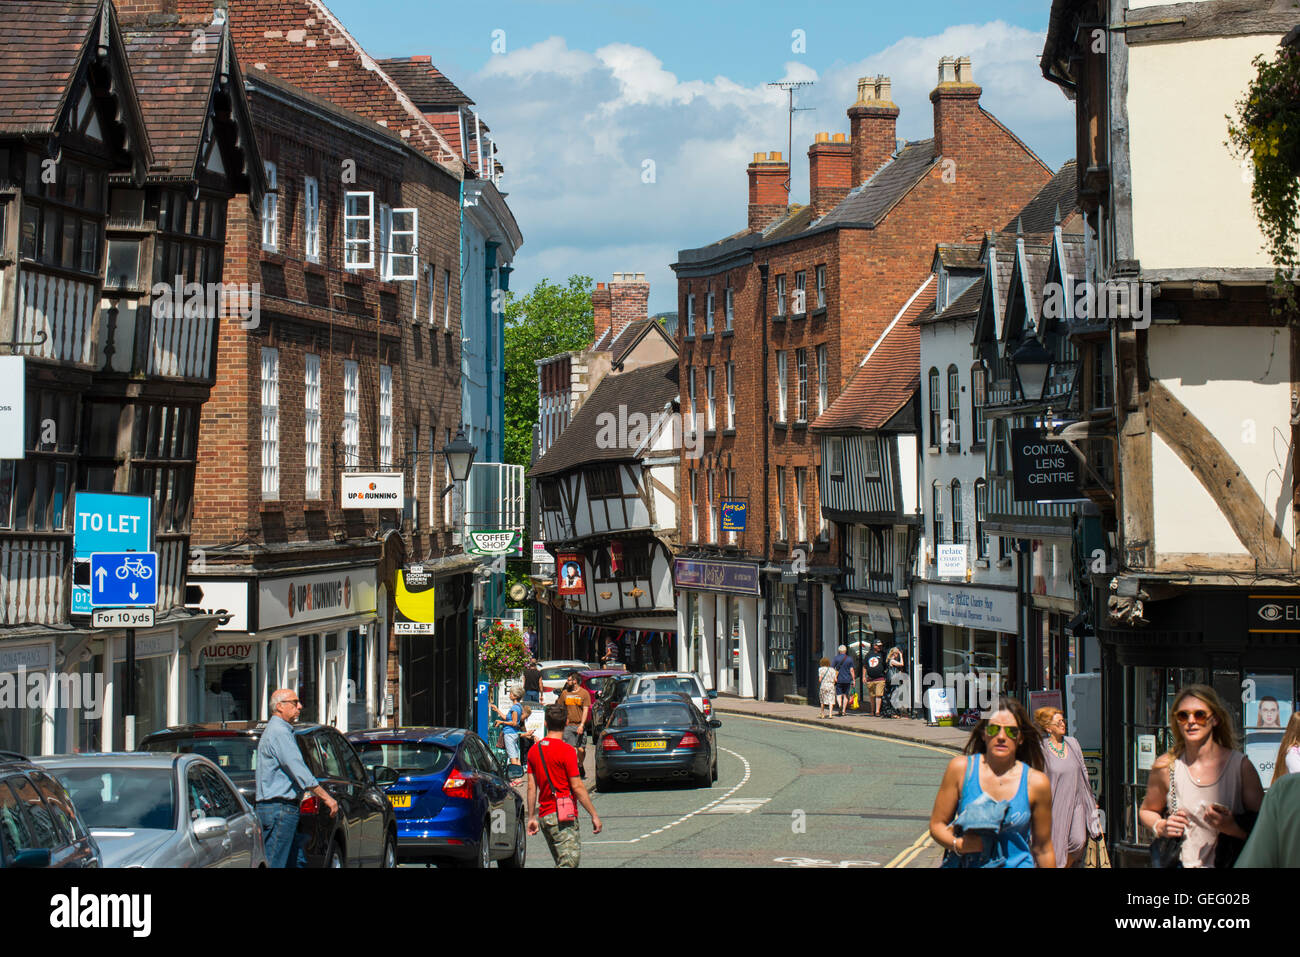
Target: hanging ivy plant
{"points": [[1266, 131]]}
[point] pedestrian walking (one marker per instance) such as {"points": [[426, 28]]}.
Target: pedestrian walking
{"points": [[845, 675], [874, 667], [994, 807], [281, 776], [511, 723], [533, 682], [1288, 752], [826, 687], [1075, 815], [1275, 839], [1198, 789], [577, 701], [895, 664], [553, 785]]}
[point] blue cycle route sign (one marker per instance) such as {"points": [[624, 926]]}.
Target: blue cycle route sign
{"points": [[124, 579]]}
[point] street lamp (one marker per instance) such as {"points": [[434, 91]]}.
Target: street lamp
{"points": [[459, 453], [1032, 363]]}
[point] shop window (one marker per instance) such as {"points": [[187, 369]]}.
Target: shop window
{"points": [[62, 221], [604, 482], [780, 635]]}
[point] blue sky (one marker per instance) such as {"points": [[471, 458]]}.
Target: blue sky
{"points": [[585, 94]]}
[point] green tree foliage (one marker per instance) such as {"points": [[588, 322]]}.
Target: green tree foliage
{"points": [[547, 321]]}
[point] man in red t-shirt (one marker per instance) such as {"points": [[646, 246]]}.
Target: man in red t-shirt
{"points": [[552, 772]]}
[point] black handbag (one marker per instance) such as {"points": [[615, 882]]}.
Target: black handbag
{"points": [[1227, 848], [1167, 852]]}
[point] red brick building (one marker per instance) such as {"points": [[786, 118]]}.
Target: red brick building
{"points": [[351, 365], [774, 319]]}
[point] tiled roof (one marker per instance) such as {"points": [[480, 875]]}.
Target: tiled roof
{"points": [[869, 203], [885, 383], [424, 84], [796, 220], [173, 78], [965, 306], [646, 390], [1039, 214], [40, 47], [960, 255]]}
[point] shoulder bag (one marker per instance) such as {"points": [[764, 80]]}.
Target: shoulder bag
{"points": [[566, 810], [1227, 848], [1167, 852]]}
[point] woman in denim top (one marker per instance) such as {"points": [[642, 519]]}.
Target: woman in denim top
{"points": [[994, 807]]}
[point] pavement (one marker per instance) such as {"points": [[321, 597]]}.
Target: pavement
{"points": [[901, 729]]}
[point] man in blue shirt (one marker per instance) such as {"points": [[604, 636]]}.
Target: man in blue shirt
{"points": [[282, 775], [845, 675]]}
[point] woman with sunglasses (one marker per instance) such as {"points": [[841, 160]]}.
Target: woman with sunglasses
{"points": [[1213, 781], [1073, 806], [1002, 772]]}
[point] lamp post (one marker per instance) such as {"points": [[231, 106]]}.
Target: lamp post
{"points": [[1032, 364], [459, 453]]}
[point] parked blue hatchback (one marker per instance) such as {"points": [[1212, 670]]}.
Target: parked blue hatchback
{"points": [[453, 803]]}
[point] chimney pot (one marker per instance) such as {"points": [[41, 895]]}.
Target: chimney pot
{"points": [[956, 103], [830, 172], [837, 138], [872, 123], [769, 190], [760, 157], [823, 138], [774, 157]]}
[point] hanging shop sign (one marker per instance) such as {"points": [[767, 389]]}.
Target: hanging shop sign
{"points": [[734, 513], [373, 489], [543, 561], [413, 601], [736, 578], [13, 408], [572, 580], [495, 541], [1273, 614], [230, 597], [1043, 469], [952, 561]]}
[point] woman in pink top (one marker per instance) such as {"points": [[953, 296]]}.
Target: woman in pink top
{"points": [[1212, 780]]}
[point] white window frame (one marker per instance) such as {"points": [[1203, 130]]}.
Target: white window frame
{"points": [[690, 314], [271, 210], [695, 511], [270, 381], [801, 360], [731, 396], [821, 287], [690, 391], [780, 503], [352, 246], [712, 407], [414, 455], [837, 456], [801, 507], [713, 528], [871, 456], [781, 368], [730, 306], [311, 427], [433, 500], [823, 387], [384, 231], [404, 266], [385, 417], [780, 295], [799, 296], [708, 314], [311, 219], [446, 299], [351, 415], [431, 286]]}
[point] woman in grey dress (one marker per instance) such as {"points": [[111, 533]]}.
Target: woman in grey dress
{"points": [[1072, 801]]}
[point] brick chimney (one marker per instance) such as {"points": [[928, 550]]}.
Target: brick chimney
{"points": [[872, 124], [601, 307], [630, 295], [769, 190], [956, 105], [830, 172]]}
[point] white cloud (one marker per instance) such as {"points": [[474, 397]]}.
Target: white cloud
{"points": [[575, 129]]}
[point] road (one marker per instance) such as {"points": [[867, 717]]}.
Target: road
{"points": [[787, 796]]}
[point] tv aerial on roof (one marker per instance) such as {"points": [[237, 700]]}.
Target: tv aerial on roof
{"points": [[790, 86]]}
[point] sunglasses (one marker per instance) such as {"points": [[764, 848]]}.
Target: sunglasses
{"points": [[993, 730], [1199, 716]]}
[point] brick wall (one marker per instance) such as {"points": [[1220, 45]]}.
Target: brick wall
{"points": [[830, 171], [769, 191], [629, 300]]}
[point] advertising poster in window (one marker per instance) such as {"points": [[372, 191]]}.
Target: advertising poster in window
{"points": [[572, 579], [1267, 707]]}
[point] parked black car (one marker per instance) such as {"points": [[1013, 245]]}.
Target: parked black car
{"points": [[657, 737], [613, 690], [362, 834], [39, 825]]}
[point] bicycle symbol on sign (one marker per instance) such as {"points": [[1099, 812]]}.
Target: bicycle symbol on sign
{"points": [[138, 567]]}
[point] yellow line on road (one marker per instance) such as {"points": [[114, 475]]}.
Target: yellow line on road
{"points": [[913, 849]]}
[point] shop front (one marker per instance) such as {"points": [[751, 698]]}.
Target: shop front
{"points": [[865, 622], [969, 639], [720, 610], [1242, 642]]}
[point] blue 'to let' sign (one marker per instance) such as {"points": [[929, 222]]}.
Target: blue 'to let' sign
{"points": [[124, 579]]}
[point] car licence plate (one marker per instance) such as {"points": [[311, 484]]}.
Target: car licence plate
{"points": [[400, 800], [649, 745]]}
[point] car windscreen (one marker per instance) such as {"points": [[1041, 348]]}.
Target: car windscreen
{"points": [[651, 716], [122, 797], [668, 686], [235, 755], [556, 674], [404, 757]]}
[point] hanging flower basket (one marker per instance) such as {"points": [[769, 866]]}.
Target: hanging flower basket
{"points": [[503, 653], [1266, 132]]}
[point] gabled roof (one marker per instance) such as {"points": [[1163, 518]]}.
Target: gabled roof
{"points": [[428, 88], [41, 46], [646, 390], [870, 203], [889, 376], [965, 306], [632, 334]]}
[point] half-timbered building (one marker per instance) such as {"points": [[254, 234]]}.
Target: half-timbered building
{"points": [[607, 492], [1197, 579]]}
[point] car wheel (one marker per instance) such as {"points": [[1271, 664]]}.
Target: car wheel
{"points": [[517, 859], [604, 784], [484, 856], [703, 780], [335, 857], [389, 858], [715, 770]]}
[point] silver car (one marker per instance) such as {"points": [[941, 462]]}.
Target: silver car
{"points": [[160, 810]]}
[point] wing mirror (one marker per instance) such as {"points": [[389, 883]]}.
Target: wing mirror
{"points": [[383, 776], [715, 723], [712, 694], [31, 858], [208, 828]]}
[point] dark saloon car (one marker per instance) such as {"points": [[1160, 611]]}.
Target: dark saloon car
{"points": [[39, 826], [362, 834], [453, 802], [657, 737]]}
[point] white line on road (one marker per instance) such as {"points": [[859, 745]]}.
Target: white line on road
{"points": [[743, 781]]}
